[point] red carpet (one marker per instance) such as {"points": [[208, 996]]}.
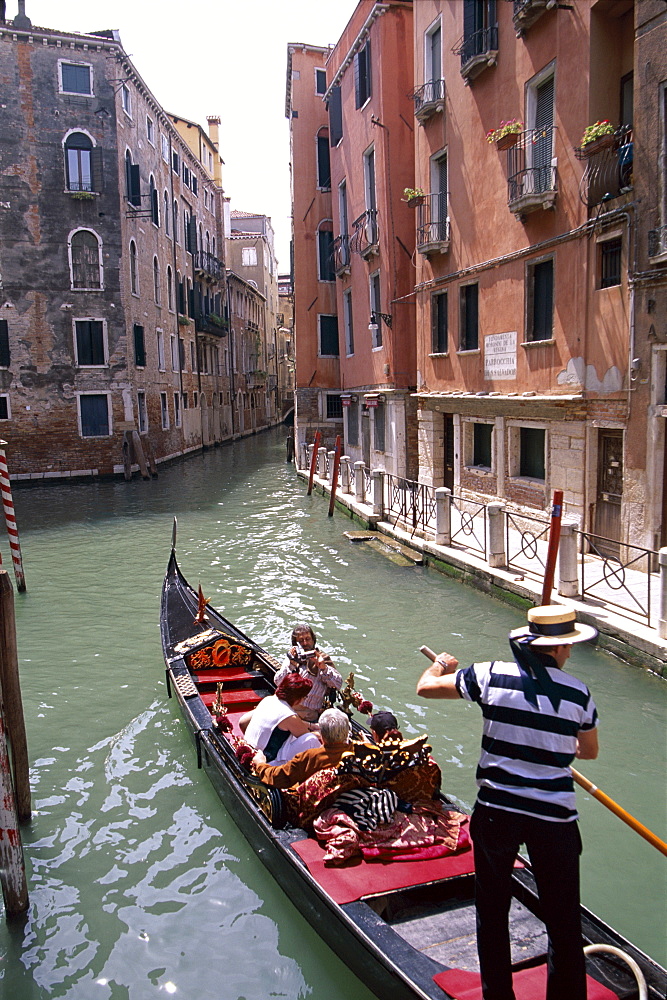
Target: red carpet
{"points": [[529, 984], [361, 878]]}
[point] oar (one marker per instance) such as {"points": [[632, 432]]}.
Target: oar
{"points": [[614, 807]]}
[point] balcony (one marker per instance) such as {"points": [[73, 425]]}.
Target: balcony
{"points": [[477, 51], [531, 172], [526, 12], [207, 266], [341, 255], [211, 323], [608, 172], [657, 245], [365, 238], [255, 379], [433, 224], [429, 99]]}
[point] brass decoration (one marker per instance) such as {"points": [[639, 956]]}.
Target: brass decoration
{"points": [[379, 762]]}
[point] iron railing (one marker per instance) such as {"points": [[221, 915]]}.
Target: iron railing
{"points": [[365, 236], [531, 175], [608, 172], [522, 548], [429, 98], [612, 583], [207, 263], [471, 532], [526, 12], [433, 223], [411, 503], [340, 254], [479, 43]]}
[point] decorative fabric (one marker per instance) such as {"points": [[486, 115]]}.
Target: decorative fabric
{"points": [[377, 763], [527, 750], [300, 767], [369, 807], [428, 825], [318, 792]]}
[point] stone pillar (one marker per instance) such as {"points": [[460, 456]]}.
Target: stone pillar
{"points": [[309, 449], [443, 516], [496, 515], [568, 569], [345, 477], [360, 482], [662, 621], [322, 463], [378, 499], [331, 455]]}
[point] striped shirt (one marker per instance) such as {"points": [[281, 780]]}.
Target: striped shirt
{"points": [[322, 683], [526, 751]]}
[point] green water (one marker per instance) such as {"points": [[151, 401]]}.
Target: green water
{"points": [[140, 885]]}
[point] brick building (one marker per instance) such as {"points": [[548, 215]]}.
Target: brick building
{"points": [[112, 291]]}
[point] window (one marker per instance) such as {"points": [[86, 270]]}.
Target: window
{"points": [[156, 281], [132, 181], [174, 354], [150, 130], [143, 416], [5, 412], [540, 300], [439, 323], [175, 161], [166, 213], [334, 407], [328, 336], [164, 411], [139, 346], [193, 356], [160, 350], [375, 325], [325, 261], [482, 438], [378, 426], [433, 61], [4, 344], [94, 414], [480, 29], [323, 160], [531, 452], [335, 116], [175, 219], [125, 100], [353, 423], [362, 75], [320, 81], [170, 289], [154, 202], [134, 271], [177, 409], [349, 325], [610, 262], [195, 185], [75, 78], [468, 329], [540, 175], [164, 146], [186, 175], [89, 343], [369, 180], [79, 162], [249, 256], [85, 260]]}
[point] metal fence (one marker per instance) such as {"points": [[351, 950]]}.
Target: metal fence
{"points": [[409, 502], [624, 583], [523, 544], [468, 524]]}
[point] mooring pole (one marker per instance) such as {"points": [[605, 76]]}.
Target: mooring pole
{"points": [[10, 520], [552, 550], [12, 865], [313, 462], [334, 476], [10, 687]]}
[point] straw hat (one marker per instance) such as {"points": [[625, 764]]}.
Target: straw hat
{"points": [[553, 625]]}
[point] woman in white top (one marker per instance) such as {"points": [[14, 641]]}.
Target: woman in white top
{"points": [[274, 726]]}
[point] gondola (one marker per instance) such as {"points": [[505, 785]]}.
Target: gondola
{"points": [[406, 930]]}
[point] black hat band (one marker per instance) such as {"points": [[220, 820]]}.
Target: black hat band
{"points": [[552, 628]]}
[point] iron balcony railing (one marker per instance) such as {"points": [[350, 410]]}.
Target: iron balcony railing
{"points": [[657, 242], [433, 223], [526, 12], [208, 264], [210, 323], [531, 174], [608, 172], [341, 254], [479, 47], [429, 98], [365, 237]]}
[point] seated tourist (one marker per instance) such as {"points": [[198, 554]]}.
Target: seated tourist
{"points": [[305, 658], [274, 726], [384, 725], [418, 780], [334, 730]]}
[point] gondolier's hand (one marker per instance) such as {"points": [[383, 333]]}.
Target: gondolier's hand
{"points": [[438, 680], [444, 663]]}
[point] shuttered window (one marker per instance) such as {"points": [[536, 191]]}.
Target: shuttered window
{"points": [[326, 262], [379, 417], [94, 412], [439, 323], [468, 327], [323, 163], [4, 344], [362, 75], [482, 446], [75, 78], [335, 116], [89, 342], [541, 300], [329, 336], [85, 251], [531, 452], [353, 423], [542, 145], [139, 346]]}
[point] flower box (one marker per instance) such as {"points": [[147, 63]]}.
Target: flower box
{"points": [[597, 145], [417, 199], [507, 141]]}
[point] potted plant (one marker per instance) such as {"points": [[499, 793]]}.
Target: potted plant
{"points": [[596, 137], [507, 133], [183, 320], [413, 196], [82, 195]]}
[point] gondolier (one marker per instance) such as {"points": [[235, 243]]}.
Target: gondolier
{"points": [[537, 719]]}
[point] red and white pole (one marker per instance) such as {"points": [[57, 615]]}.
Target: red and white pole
{"points": [[10, 520]]}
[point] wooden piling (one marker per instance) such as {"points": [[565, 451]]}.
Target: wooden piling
{"points": [[12, 865], [11, 694]]}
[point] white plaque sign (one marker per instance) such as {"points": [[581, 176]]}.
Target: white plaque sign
{"points": [[500, 356]]}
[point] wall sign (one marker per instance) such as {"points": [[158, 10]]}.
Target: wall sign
{"points": [[500, 356]]}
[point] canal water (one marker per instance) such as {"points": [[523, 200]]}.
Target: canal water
{"points": [[140, 884]]}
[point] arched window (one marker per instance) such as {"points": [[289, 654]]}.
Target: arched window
{"points": [[79, 162], [208, 242], [85, 259], [156, 281], [213, 251], [134, 271], [170, 288], [155, 205], [175, 217], [201, 237], [166, 213]]}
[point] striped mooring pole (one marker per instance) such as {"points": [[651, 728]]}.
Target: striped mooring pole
{"points": [[10, 520]]}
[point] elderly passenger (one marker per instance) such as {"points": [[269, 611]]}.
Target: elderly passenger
{"points": [[335, 732]]}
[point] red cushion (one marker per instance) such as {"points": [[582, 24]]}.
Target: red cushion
{"points": [[529, 984]]}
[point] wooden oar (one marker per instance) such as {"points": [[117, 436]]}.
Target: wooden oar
{"points": [[614, 807]]}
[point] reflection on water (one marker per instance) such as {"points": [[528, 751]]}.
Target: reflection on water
{"points": [[139, 882]]}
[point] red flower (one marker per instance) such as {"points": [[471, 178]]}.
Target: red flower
{"points": [[365, 707]]}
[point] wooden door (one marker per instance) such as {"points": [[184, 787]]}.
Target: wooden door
{"points": [[449, 452], [609, 491]]}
